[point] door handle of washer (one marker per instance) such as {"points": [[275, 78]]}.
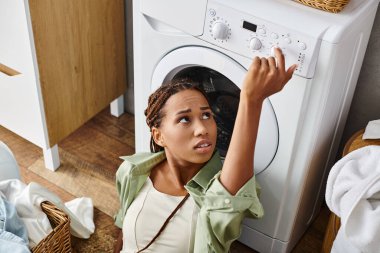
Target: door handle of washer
{"points": [[8, 70]]}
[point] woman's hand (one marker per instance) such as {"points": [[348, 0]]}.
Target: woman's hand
{"points": [[265, 77]]}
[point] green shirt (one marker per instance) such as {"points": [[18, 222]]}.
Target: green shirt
{"points": [[220, 213]]}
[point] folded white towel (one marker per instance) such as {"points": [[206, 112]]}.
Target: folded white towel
{"points": [[353, 193], [372, 130]]}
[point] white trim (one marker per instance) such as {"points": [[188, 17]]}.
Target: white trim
{"points": [[51, 157], [117, 106]]}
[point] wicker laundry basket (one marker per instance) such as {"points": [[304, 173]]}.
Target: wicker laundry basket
{"points": [[59, 240], [334, 6]]}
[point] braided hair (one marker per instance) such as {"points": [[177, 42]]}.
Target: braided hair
{"points": [[157, 100]]}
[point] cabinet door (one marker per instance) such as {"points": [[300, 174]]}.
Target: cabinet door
{"points": [[80, 49], [20, 109]]}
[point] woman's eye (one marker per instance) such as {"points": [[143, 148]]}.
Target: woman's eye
{"points": [[184, 120], [206, 115]]}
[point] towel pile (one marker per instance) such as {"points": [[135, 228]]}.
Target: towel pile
{"points": [[353, 194]]}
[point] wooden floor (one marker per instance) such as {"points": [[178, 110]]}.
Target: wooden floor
{"points": [[101, 141]]}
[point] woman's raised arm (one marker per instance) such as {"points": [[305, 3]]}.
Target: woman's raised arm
{"points": [[263, 79]]}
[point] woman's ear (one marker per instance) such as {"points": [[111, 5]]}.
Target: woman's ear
{"points": [[157, 136]]}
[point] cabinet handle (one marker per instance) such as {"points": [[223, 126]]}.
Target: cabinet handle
{"points": [[8, 71]]}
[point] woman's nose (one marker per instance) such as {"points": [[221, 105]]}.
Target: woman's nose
{"points": [[200, 128]]}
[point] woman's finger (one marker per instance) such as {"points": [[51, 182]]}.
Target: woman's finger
{"points": [[280, 59], [264, 64], [272, 63], [290, 71], [256, 62]]}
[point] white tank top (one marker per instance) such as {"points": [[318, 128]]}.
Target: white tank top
{"points": [[147, 214]]}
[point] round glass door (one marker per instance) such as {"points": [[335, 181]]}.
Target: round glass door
{"points": [[221, 78]]}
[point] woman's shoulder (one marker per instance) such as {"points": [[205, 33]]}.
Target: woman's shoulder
{"points": [[140, 162], [141, 157]]}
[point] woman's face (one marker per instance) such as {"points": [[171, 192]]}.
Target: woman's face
{"points": [[188, 130]]}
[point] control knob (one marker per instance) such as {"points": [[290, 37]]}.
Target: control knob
{"points": [[220, 30], [255, 44]]}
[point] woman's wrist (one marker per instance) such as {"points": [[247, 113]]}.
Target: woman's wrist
{"points": [[251, 100]]}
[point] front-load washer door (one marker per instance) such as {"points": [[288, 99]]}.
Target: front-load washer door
{"points": [[221, 78]]}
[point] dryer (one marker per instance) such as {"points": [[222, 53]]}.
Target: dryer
{"points": [[214, 41]]}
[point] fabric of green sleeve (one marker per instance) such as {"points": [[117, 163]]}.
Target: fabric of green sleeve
{"points": [[221, 214], [122, 186]]}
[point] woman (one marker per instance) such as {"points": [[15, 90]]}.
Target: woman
{"points": [[154, 187]]}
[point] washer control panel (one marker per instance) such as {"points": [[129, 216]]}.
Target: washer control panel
{"points": [[250, 36]]}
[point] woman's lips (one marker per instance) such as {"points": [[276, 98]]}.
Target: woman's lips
{"points": [[203, 146]]}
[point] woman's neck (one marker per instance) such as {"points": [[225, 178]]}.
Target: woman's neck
{"points": [[181, 174], [170, 177]]}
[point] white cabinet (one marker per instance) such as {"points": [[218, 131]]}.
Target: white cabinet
{"points": [[20, 99], [61, 62]]}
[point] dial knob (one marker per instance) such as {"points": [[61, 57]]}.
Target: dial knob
{"points": [[220, 30], [302, 45], [255, 44], [288, 40]]}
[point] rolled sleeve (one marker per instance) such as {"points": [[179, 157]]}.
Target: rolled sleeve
{"points": [[221, 215], [217, 198]]}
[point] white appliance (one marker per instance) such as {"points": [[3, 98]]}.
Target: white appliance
{"points": [[301, 126]]}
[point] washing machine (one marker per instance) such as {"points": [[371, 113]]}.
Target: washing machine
{"points": [[214, 42]]}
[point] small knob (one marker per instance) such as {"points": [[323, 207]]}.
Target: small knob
{"points": [[302, 45], [220, 31], [261, 31], [288, 40], [255, 44], [274, 36]]}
